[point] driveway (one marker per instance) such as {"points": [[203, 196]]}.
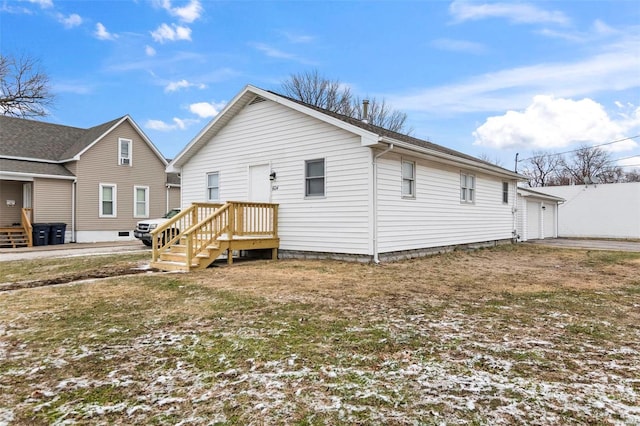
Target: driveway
{"points": [[71, 249], [585, 244]]}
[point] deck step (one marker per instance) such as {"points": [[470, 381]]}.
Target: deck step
{"points": [[13, 237]]}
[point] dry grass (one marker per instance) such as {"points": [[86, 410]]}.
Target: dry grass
{"points": [[511, 335]]}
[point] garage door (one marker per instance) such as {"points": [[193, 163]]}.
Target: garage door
{"points": [[533, 220]]}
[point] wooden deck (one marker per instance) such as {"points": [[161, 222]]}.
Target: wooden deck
{"points": [[197, 236]]}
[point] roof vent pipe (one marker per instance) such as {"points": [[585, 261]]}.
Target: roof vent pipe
{"points": [[365, 111]]}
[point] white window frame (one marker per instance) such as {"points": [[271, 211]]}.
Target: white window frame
{"points": [[411, 179], [114, 200], [209, 188], [467, 188], [505, 192], [307, 178], [128, 160], [136, 201]]}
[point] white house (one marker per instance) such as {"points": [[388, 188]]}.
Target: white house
{"points": [[598, 210], [345, 188], [537, 215]]}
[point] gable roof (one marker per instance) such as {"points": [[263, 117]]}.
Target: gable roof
{"points": [[371, 135], [54, 143], [528, 192]]}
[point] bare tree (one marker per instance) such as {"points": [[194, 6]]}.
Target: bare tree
{"points": [[314, 89], [592, 163], [381, 115], [632, 176], [24, 87], [496, 160], [542, 168], [317, 90]]}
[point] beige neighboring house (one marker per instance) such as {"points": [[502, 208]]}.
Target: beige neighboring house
{"points": [[98, 182]]}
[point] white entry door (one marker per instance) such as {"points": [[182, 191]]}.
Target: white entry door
{"points": [[259, 183], [533, 220], [27, 191]]}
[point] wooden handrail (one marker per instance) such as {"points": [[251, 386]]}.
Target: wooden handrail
{"points": [[174, 228], [26, 218], [202, 224]]}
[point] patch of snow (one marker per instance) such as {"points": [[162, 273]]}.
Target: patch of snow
{"points": [[6, 416]]}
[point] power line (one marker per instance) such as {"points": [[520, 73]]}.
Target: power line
{"points": [[624, 158], [578, 149]]}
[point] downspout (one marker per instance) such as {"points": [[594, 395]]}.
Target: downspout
{"points": [[166, 197], [514, 214], [73, 210], [375, 202]]}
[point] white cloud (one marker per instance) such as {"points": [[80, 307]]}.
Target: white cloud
{"points": [[459, 45], [171, 33], [177, 124], [45, 4], [102, 33], [297, 38], [181, 84], [149, 51], [70, 21], [188, 13], [272, 52], [176, 85], [519, 13], [207, 109], [599, 30], [550, 123], [614, 69]]}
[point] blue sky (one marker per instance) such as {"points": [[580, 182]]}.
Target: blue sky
{"points": [[485, 78]]}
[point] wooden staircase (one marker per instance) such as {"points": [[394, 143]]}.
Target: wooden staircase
{"points": [[197, 236], [14, 237], [18, 236]]}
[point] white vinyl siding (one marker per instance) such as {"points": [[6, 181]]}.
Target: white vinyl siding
{"points": [[269, 132], [213, 186], [408, 179], [124, 152], [314, 178], [437, 218], [141, 201], [108, 200]]}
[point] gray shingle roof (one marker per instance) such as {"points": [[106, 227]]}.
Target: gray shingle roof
{"points": [[33, 168], [391, 134], [44, 141]]}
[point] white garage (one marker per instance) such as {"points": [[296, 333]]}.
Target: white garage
{"points": [[537, 215], [609, 210]]}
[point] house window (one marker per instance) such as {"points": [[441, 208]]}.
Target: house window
{"points": [[467, 188], [314, 178], [408, 179], [141, 201], [213, 186], [108, 197], [505, 192], [124, 152]]}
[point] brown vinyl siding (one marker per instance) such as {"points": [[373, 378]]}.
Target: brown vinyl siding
{"points": [[174, 197], [99, 164], [10, 190], [52, 201]]}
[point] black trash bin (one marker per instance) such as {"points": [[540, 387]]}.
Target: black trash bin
{"points": [[40, 234], [56, 233]]}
